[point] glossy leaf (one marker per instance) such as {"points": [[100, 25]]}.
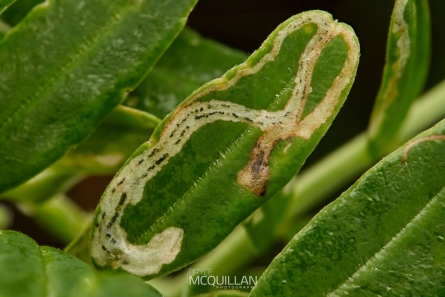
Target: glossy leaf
{"points": [[4, 4], [117, 137], [407, 62], [226, 149], [188, 63], [87, 56], [383, 236], [30, 270]]}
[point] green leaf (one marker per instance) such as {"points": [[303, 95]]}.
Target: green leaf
{"points": [[120, 133], [117, 137], [226, 149], [406, 69], [4, 4], [30, 270], [383, 236], [188, 63], [17, 11], [87, 56]]}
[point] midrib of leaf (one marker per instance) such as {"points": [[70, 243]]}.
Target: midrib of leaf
{"points": [[202, 177], [78, 57], [393, 240], [206, 174]]}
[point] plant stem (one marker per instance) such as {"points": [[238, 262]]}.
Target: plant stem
{"points": [[58, 215], [333, 172], [4, 28], [427, 110], [44, 185], [5, 217]]}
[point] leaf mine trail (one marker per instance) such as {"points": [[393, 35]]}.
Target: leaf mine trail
{"points": [[401, 28], [420, 140], [110, 246]]}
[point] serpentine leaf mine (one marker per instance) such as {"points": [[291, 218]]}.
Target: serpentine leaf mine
{"points": [[401, 28], [416, 142], [110, 246]]}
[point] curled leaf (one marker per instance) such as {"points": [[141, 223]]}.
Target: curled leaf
{"points": [[407, 62]]}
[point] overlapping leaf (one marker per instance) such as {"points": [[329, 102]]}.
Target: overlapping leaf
{"points": [[112, 143], [30, 270], [68, 64], [18, 10], [226, 149], [103, 152], [407, 62], [189, 62], [4, 4], [4, 27], [384, 236], [407, 56]]}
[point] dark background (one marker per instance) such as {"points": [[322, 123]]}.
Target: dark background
{"points": [[244, 24]]}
